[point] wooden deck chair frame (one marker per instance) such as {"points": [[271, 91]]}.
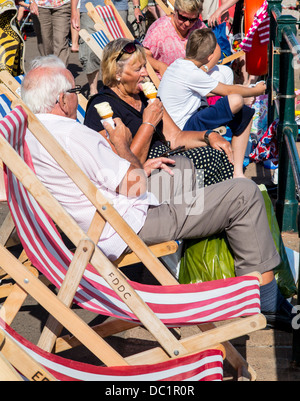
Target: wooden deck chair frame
{"points": [[14, 302], [87, 250], [108, 213], [92, 13], [15, 296]]}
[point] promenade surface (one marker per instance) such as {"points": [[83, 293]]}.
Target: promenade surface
{"points": [[269, 352]]}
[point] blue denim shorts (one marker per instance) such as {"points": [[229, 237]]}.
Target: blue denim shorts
{"points": [[220, 114]]}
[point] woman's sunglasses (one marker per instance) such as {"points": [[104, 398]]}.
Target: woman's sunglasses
{"points": [[185, 19], [129, 48]]}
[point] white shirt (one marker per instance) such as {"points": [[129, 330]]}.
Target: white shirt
{"points": [[105, 169], [181, 88]]}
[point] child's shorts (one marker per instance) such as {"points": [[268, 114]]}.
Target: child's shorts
{"points": [[220, 114]]}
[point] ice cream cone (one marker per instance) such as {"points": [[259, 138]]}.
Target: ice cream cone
{"points": [[109, 120], [151, 96], [107, 116], [149, 91]]}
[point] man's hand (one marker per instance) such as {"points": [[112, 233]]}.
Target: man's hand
{"points": [[216, 141], [120, 136]]}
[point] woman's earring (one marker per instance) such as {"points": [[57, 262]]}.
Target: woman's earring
{"points": [[118, 79]]}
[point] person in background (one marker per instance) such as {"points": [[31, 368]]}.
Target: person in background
{"points": [[166, 39], [88, 59]]}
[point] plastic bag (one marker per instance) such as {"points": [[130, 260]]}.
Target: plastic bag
{"points": [[206, 260], [260, 118], [212, 259], [283, 273]]}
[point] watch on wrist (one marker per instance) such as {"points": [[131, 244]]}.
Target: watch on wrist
{"points": [[136, 6], [205, 67], [206, 135]]}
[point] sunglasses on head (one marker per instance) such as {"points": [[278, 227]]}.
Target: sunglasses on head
{"points": [[185, 19], [129, 48]]}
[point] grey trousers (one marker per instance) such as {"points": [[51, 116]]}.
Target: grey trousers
{"points": [[52, 28], [235, 206]]}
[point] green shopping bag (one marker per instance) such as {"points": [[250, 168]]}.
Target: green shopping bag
{"points": [[283, 273], [211, 258]]}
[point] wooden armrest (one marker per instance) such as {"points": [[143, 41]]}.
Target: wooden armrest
{"points": [[163, 249]]}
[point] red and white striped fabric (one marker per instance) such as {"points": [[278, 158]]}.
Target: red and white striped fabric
{"points": [[175, 305], [108, 16], [202, 366], [261, 24]]}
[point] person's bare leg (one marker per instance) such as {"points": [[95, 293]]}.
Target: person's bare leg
{"points": [[239, 143], [239, 146], [93, 82]]}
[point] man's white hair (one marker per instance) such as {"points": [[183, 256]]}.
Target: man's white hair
{"points": [[40, 91]]}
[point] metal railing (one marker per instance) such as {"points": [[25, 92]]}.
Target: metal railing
{"points": [[284, 55], [284, 60]]}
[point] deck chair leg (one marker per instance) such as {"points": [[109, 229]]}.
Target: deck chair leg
{"points": [[67, 292]]}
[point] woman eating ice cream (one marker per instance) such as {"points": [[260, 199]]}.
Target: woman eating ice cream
{"points": [[154, 133]]}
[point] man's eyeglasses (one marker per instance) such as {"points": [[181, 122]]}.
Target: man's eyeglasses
{"points": [[77, 89], [185, 19], [129, 48]]}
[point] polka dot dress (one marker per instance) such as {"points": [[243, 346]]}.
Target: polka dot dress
{"points": [[212, 165]]}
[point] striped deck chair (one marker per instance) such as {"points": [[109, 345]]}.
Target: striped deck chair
{"points": [[164, 250], [37, 365], [114, 27], [96, 41], [102, 288]]}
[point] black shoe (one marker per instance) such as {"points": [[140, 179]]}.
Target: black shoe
{"points": [[282, 319]]}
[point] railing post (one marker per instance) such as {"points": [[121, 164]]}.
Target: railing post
{"points": [[287, 205], [273, 60]]}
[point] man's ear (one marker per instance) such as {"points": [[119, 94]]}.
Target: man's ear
{"points": [[63, 102]]}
